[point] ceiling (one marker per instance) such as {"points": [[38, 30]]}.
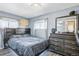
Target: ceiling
{"points": [[29, 10]]}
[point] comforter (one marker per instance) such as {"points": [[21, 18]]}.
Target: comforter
{"points": [[28, 46]]}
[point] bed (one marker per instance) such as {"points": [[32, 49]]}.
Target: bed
{"points": [[26, 45]]}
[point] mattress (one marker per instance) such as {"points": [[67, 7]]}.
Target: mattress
{"points": [[28, 45]]}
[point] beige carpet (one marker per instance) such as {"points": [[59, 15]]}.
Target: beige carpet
{"points": [[7, 52]]}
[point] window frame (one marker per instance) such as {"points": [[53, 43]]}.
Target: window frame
{"points": [[9, 20]]}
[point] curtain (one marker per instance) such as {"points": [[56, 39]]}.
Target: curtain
{"points": [[1, 39]]}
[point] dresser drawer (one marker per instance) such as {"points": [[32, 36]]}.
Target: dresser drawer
{"points": [[56, 39], [57, 43], [71, 42], [69, 37], [71, 52], [56, 36], [56, 48], [74, 47]]}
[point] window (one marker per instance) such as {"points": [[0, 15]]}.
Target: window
{"points": [[3, 24], [13, 24], [8, 23], [42, 24]]}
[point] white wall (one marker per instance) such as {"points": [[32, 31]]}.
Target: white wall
{"points": [[9, 15], [51, 18]]}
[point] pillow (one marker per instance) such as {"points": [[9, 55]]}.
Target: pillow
{"points": [[16, 36], [20, 31]]}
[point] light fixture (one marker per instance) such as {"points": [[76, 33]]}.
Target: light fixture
{"points": [[36, 4]]}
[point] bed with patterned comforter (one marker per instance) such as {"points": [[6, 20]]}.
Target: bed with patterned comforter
{"points": [[27, 45]]}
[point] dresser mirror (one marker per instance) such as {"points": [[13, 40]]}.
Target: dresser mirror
{"points": [[66, 24]]}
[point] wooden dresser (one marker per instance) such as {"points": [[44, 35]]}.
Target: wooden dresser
{"points": [[64, 44]]}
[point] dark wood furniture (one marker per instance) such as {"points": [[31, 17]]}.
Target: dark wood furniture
{"points": [[7, 33], [27, 31], [64, 44], [22, 31]]}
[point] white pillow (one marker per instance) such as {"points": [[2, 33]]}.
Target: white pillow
{"points": [[16, 36], [20, 31]]}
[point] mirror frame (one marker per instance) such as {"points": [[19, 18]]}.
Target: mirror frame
{"points": [[77, 17]]}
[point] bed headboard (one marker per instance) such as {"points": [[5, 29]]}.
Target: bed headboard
{"points": [[27, 31], [23, 31], [14, 31]]}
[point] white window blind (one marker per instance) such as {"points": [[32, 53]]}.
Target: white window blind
{"points": [[41, 24], [13, 24]]}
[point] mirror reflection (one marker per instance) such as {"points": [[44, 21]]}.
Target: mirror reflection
{"points": [[66, 24]]}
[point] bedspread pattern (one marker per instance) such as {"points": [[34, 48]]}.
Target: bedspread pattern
{"points": [[28, 46]]}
